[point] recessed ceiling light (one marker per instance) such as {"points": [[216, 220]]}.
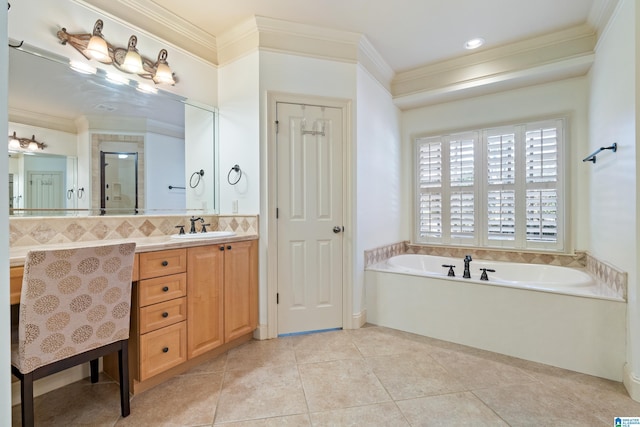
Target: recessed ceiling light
{"points": [[474, 43]]}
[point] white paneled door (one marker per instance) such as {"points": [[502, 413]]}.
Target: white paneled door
{"points": [[310, 223]]}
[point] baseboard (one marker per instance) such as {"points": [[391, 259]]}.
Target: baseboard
{"points": [[631, 383], [261, 333], [359, 319]]}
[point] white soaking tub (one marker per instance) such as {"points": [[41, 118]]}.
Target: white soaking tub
{"points": [[554, 315]]}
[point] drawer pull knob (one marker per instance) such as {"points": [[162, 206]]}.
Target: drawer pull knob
{"points": [[165, 350], [222, 248], [165, 263], [165, 314], [165, 289], [229, 247]]}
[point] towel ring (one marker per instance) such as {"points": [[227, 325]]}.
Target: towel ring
{"points": [[198, 174], [236, 169]]}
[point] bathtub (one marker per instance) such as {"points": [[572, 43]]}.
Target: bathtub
{"points": [[553, 315]]}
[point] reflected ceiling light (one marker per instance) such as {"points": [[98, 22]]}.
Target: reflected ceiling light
{"points": [[474, 43], [18, 144], [129, 60], [82, 67], [145, 88], [97, 47], [117, 79]]}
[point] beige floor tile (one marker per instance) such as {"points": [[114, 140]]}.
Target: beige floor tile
{"points": [[340, 384], [287, 421], [536, 405], [217, 364], [380, 342], [477, 371], [77, 404], [381, 414], [187, 400], [408, 376], [260, 393], [459, 409], [262, 353], [324, 347]]}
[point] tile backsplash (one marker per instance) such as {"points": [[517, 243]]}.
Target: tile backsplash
{"points": [[39, 231]]}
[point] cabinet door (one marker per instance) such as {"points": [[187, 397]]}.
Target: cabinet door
{"points": [[240, 289], [204, 298]]}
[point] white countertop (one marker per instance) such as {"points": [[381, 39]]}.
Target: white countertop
{"points": [[18, 254]]}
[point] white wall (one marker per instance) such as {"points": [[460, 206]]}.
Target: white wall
{"points": [[566, 97], [239, 141], [164, 166], [380, 212], [5, 322], [613, 201]]}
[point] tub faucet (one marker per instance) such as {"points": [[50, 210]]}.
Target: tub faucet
{"points": [[467, 273]]}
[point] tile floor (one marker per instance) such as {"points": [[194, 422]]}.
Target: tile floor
{"points": [[367, 377]]}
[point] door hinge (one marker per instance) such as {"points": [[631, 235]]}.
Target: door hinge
{"points": [[277, 126], [277, 298], [277, 213]]}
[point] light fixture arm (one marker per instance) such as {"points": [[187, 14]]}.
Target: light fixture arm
{"points": [[25, 143]]}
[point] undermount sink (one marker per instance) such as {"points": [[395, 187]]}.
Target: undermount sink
{"points": [[207, 235]]}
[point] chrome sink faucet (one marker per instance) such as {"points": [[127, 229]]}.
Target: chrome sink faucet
{"points": [[193, 220], [467, 273]]}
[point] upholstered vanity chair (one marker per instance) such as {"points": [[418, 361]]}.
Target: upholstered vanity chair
{"points": [[74, 308]]}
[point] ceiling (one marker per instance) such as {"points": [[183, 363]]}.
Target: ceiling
{"points": [[407, 33]]}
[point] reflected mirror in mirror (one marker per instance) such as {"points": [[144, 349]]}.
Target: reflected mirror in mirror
{"points": [[41, 184], [45, 93], [118, 183]]}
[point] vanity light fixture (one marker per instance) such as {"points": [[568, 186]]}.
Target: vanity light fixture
{"points": [[25, 144], [128, 60], [474, 43]]}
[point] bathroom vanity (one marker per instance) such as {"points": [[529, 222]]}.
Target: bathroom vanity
{"points": [[192, 299]]}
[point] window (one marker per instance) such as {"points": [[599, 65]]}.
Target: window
{"points": [[498, 187]]}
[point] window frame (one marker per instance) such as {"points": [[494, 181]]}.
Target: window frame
{"points": [[482, 187]]}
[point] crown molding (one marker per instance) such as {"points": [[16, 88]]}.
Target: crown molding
{"points": [[498, 63], [374, 63], [41, 120], [600, 14], [153, 19]]}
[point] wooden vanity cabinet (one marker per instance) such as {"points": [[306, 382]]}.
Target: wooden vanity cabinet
{"points": [[240, 289], [159, 313]]}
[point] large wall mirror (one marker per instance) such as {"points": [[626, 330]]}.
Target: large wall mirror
{"points": [[77, 116]]}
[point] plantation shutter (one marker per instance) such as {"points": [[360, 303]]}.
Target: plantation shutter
{"points": [[542, 183], [462, 187], [501, 178], [429, 153]]}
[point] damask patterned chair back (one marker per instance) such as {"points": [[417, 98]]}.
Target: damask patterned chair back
{"points": [[72, 301]]}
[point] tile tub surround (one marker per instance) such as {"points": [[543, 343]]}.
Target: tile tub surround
{"points": [[56, 230], [607, 275]]}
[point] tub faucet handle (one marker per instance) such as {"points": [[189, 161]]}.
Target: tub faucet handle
{"points": [[451, 273], [484, 275]]}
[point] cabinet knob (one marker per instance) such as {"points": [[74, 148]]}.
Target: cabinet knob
{"points": [[229, 247], [222, 248], [165, 263], [165, 314], [165, 350], [165, 289]]}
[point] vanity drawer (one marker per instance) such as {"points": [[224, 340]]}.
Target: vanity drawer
{"points": [[162, 263], [162, 349], [163, 314], [161, 289]]}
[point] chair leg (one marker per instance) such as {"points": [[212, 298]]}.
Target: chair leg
{"points": [[94, 370], [123, 369], [26, 396]]}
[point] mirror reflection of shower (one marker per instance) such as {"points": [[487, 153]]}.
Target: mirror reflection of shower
{"points": [[118, 183]]}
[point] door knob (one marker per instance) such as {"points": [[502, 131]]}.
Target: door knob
{"points": [[338, 229]]}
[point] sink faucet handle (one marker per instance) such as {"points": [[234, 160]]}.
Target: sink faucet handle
{"points": [[204, 227], [181, 227], [451, 273]]}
